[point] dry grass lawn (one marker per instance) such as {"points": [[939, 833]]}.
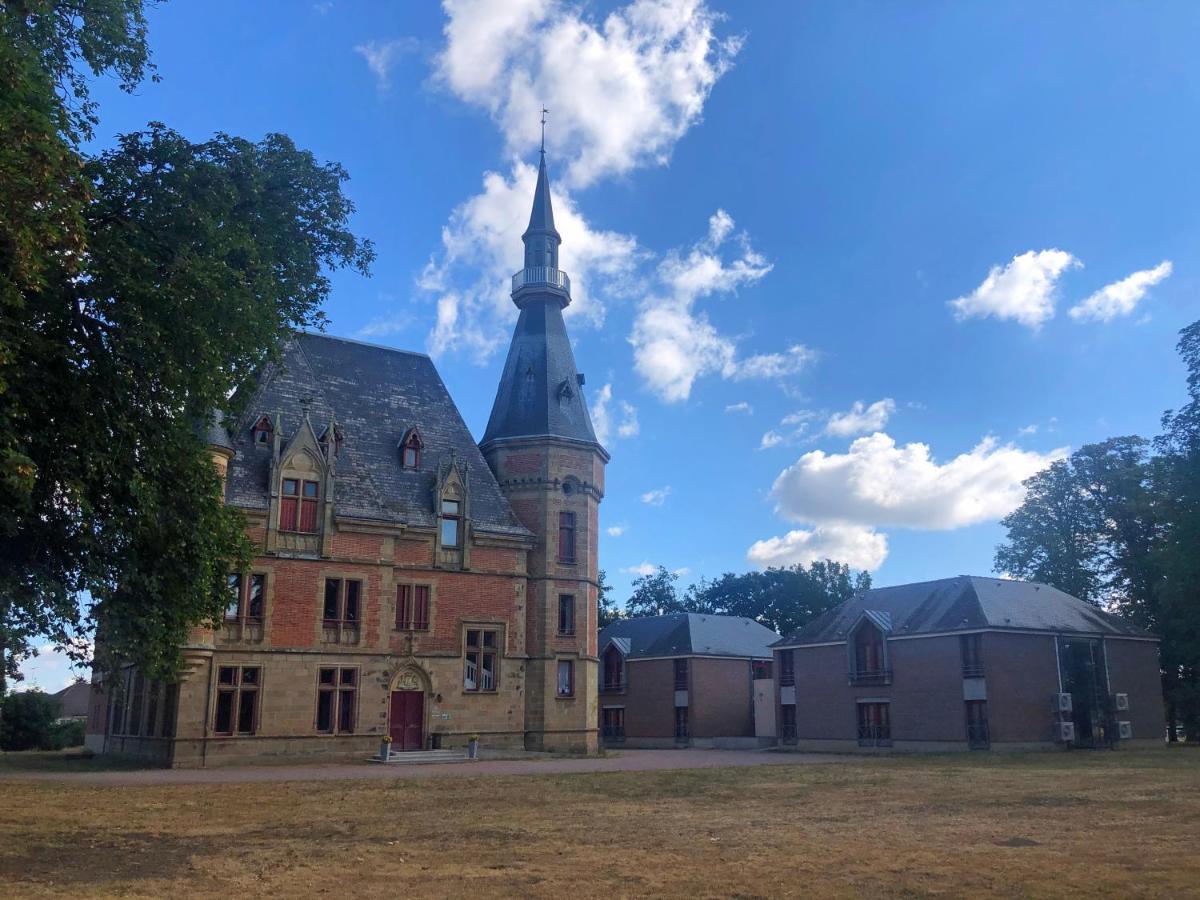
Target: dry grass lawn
{"points": [[1120, 824]]}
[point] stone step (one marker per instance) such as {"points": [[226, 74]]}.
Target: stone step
{"points": [[413, 757]]}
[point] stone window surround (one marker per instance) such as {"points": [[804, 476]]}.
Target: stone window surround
{"points": [[400, 581], [337, 690], [499, 628]]}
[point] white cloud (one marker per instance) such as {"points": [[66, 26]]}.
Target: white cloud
{"points": [[1120, 297], [381, 56], [616, 530], [602, 418], [621, 91], [656, 497], [799, 417], [860, 419], [1027, 430], [1023, 290], [50, 670], [854, 545], [681, 571], [876, 483], [771, 439], [643, 568], [740, 407], [674, 344]]}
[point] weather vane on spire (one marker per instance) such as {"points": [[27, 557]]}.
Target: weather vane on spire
{"points": [[544, 111]]}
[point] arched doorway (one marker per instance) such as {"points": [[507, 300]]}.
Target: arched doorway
{"points": [[406, 710]]}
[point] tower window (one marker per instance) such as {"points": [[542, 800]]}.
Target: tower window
{"points": [[566, 678], [451, 523], [566, 614], [566, 537]]}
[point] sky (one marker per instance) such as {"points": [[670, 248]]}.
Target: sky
{"points": [[844, 274]]}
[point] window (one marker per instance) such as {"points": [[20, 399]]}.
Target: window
{"points": [[978, 737], [681, 674], [135, 709], [337, 695], [787, 668], [410, 450], [614, 671], [479, 670], [787, 722], [412, 607], [760, 668], [451, 520], [681, 723], [874, 725], [298, 506], [870, 659], [566, 614], [263, 430], [246, 597], [612, 723], [342, 601], [237, 699], [566, 678], [566, 537], [972, 655]]}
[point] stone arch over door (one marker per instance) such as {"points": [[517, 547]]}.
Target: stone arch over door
{"points": [[408, 707]]}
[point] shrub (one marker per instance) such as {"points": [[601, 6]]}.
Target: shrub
{"points": [[28, 720]]}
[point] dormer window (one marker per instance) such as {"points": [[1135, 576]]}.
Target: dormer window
{"points": [[410, 450], [298, 505], [451, 524], [338, 438], [263, 431], [869, 662]]}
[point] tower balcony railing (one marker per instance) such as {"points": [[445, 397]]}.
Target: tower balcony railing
{"points": [[539, 276]]}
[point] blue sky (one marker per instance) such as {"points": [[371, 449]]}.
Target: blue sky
{"points": [[977, 222]]}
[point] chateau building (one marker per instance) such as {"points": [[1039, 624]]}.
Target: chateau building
{"points": [[408, 581], [968, 663]]}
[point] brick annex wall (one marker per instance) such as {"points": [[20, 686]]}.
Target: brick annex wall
{"points": [[720, 698], [1133, 669]]}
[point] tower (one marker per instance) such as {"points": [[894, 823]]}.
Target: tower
{"points": [[540, 444]]}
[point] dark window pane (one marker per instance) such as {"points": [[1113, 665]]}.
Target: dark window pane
{"points": [[257, 591], [325, 711], [489, 639], [246, 705], [471, 672], [227, 675], [403, 610], [565, 678], [250, 675], [291, 487], [472, 638], [566, 614], [225, 712], [168, 716], [487, 672], [350, 677], [346, 712], [327, 676], [333, 587], [234, 606], [352, 591]]}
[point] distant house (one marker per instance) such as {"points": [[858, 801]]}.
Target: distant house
{"points": [[968, 663], [683, 680], [73, 701]]}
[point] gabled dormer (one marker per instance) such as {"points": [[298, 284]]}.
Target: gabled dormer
{"points": [[262, 433], [452, 504], [867, 649], [409, 448], [300, 513]]}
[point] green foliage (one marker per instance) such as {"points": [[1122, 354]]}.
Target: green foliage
{"points": [[138, 289], [607, 611], [27, 721], [783, 599], [655, 595]]}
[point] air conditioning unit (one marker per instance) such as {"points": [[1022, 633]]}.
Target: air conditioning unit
{"points": [[1062, 703], [1066, 730], [1124, 729], [1121, 701]]}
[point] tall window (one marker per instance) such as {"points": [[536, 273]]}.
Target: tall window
{"points": [[566, 536], [614, 670], [337, 695], [874, 725], [410, 451], [566, 614], [787, 722], [342, 597], [978, 736], [869, 665], [451, 523], [681, 673], [135, 708], [298, 506], [972, 655], [237, 699], [412, 607], [566, 678], [479, 668], [245, 597], [681, 723], [787, 668], [613, 723]]}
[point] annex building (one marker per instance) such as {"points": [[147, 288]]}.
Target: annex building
{"points": [[408, 581]]}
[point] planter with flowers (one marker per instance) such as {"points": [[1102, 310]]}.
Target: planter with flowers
{"points": [[472, 746], [385, 747]]}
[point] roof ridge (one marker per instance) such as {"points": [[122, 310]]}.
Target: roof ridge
{"points": [[346, 340]]}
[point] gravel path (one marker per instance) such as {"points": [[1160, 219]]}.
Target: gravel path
{"points": [[620, 761]]}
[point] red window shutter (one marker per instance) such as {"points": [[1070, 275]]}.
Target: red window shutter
{"points": [[402, 605], [308, 515], [287, 514], [421, 613]]}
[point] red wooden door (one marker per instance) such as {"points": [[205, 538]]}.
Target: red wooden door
{"points": [[408, 720]]}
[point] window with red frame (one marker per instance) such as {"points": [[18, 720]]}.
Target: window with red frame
{"points": [[298, 505], [342, 596], [410, 451], [412, 607], [566, 614], [245, 597], [337, 694], [566, 536]]}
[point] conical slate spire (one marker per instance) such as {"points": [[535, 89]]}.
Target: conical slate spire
{"points": [[541, 391]]}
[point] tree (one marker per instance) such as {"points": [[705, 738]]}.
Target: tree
{"points": [[28, 721], [783, 599], [607, 611], [176, 270], [655, 595]]}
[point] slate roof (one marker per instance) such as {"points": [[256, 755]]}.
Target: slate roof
{"points": [[73, 700], [960, 604], [689, 634], [541, 217], [375, 394]]}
